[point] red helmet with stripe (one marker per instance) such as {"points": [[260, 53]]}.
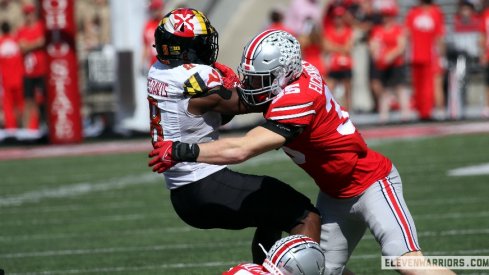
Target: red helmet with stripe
{"points": [[295, 255], [270, 61]]}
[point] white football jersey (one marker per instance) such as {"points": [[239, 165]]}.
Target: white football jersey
{"points": [[170, 119]]}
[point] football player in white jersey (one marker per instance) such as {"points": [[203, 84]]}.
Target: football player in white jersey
{"points": [[205, 195]]}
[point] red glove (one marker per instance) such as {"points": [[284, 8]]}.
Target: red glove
{"points": [[162, 156], [229, 77], [167, 153]]}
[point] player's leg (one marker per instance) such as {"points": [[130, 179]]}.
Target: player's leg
{"points": [[389, 219], [341, 230], [232, 200]]}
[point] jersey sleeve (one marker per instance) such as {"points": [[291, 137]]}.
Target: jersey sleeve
{"points": [[292, 109], [202, 80]]}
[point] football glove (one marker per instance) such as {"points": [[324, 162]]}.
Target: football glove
{"points": [[229, 77], [167, 153]]}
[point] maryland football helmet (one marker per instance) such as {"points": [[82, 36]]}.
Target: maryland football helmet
{"points": [[185, 35], [295, 255], [270, 61]]}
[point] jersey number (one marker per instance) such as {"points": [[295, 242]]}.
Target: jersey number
{"points": [[345, 128], [156, 130]]}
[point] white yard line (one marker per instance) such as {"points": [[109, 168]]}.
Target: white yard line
{"points": [[71, 207], [78, 189], [106, 250], [159, 215], [474, 170], [186, 229]]}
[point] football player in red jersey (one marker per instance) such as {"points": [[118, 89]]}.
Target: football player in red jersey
{"points": [[359, 187], [203, 195]]}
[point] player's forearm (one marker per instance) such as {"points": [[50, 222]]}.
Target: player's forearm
{"points": [[224, 151]]}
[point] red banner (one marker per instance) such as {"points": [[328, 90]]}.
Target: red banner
{"points": [[63, 97]]}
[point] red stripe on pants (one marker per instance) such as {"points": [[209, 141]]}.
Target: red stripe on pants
{"points": [[402, 219]]}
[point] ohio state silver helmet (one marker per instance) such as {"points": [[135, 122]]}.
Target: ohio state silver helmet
{"points": [[270, 61], [295, 255]]}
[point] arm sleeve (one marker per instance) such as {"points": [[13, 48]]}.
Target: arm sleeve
{"points": [[288, 131]]}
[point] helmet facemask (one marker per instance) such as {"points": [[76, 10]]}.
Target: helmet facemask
{"points": [[258, 88]]}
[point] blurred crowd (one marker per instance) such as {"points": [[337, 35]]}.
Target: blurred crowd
{"points": [[24, 64], [412, 63], [413, 66]]}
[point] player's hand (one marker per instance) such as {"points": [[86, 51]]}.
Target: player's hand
{"points": [[229, 77], [161, 155]]}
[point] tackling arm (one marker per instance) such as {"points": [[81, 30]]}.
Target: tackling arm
{"points": [[236, 150], [271, 135]]}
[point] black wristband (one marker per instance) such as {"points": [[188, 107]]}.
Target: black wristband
{"points": [[185, 151]]}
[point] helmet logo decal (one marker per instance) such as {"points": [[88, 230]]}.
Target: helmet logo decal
{"points": [[182, 22]]}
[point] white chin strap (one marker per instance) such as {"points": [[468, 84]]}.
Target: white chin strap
{"points": [[268, 265]]}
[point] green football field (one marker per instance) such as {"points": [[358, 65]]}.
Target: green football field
{"points": [[109, 214]]}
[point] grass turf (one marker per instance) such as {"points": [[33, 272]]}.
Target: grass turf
{"points": [[110, 214]]}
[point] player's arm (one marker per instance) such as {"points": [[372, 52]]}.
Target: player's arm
{"points": [[236, 150], [221, 100], [269, 136]]}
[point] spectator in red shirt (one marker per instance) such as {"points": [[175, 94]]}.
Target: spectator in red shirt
{"points": [[312, 45], [387, 46], [425, 29], [155, 10], [11, 73], [484, 57], [338, 40], [276, 17], [32, 44]]}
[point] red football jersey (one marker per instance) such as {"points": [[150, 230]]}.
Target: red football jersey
{"points": [[425, 25], [149, 39], [330, 149], [36, 61], [339, 61], [388, 40], [11, 66]]}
